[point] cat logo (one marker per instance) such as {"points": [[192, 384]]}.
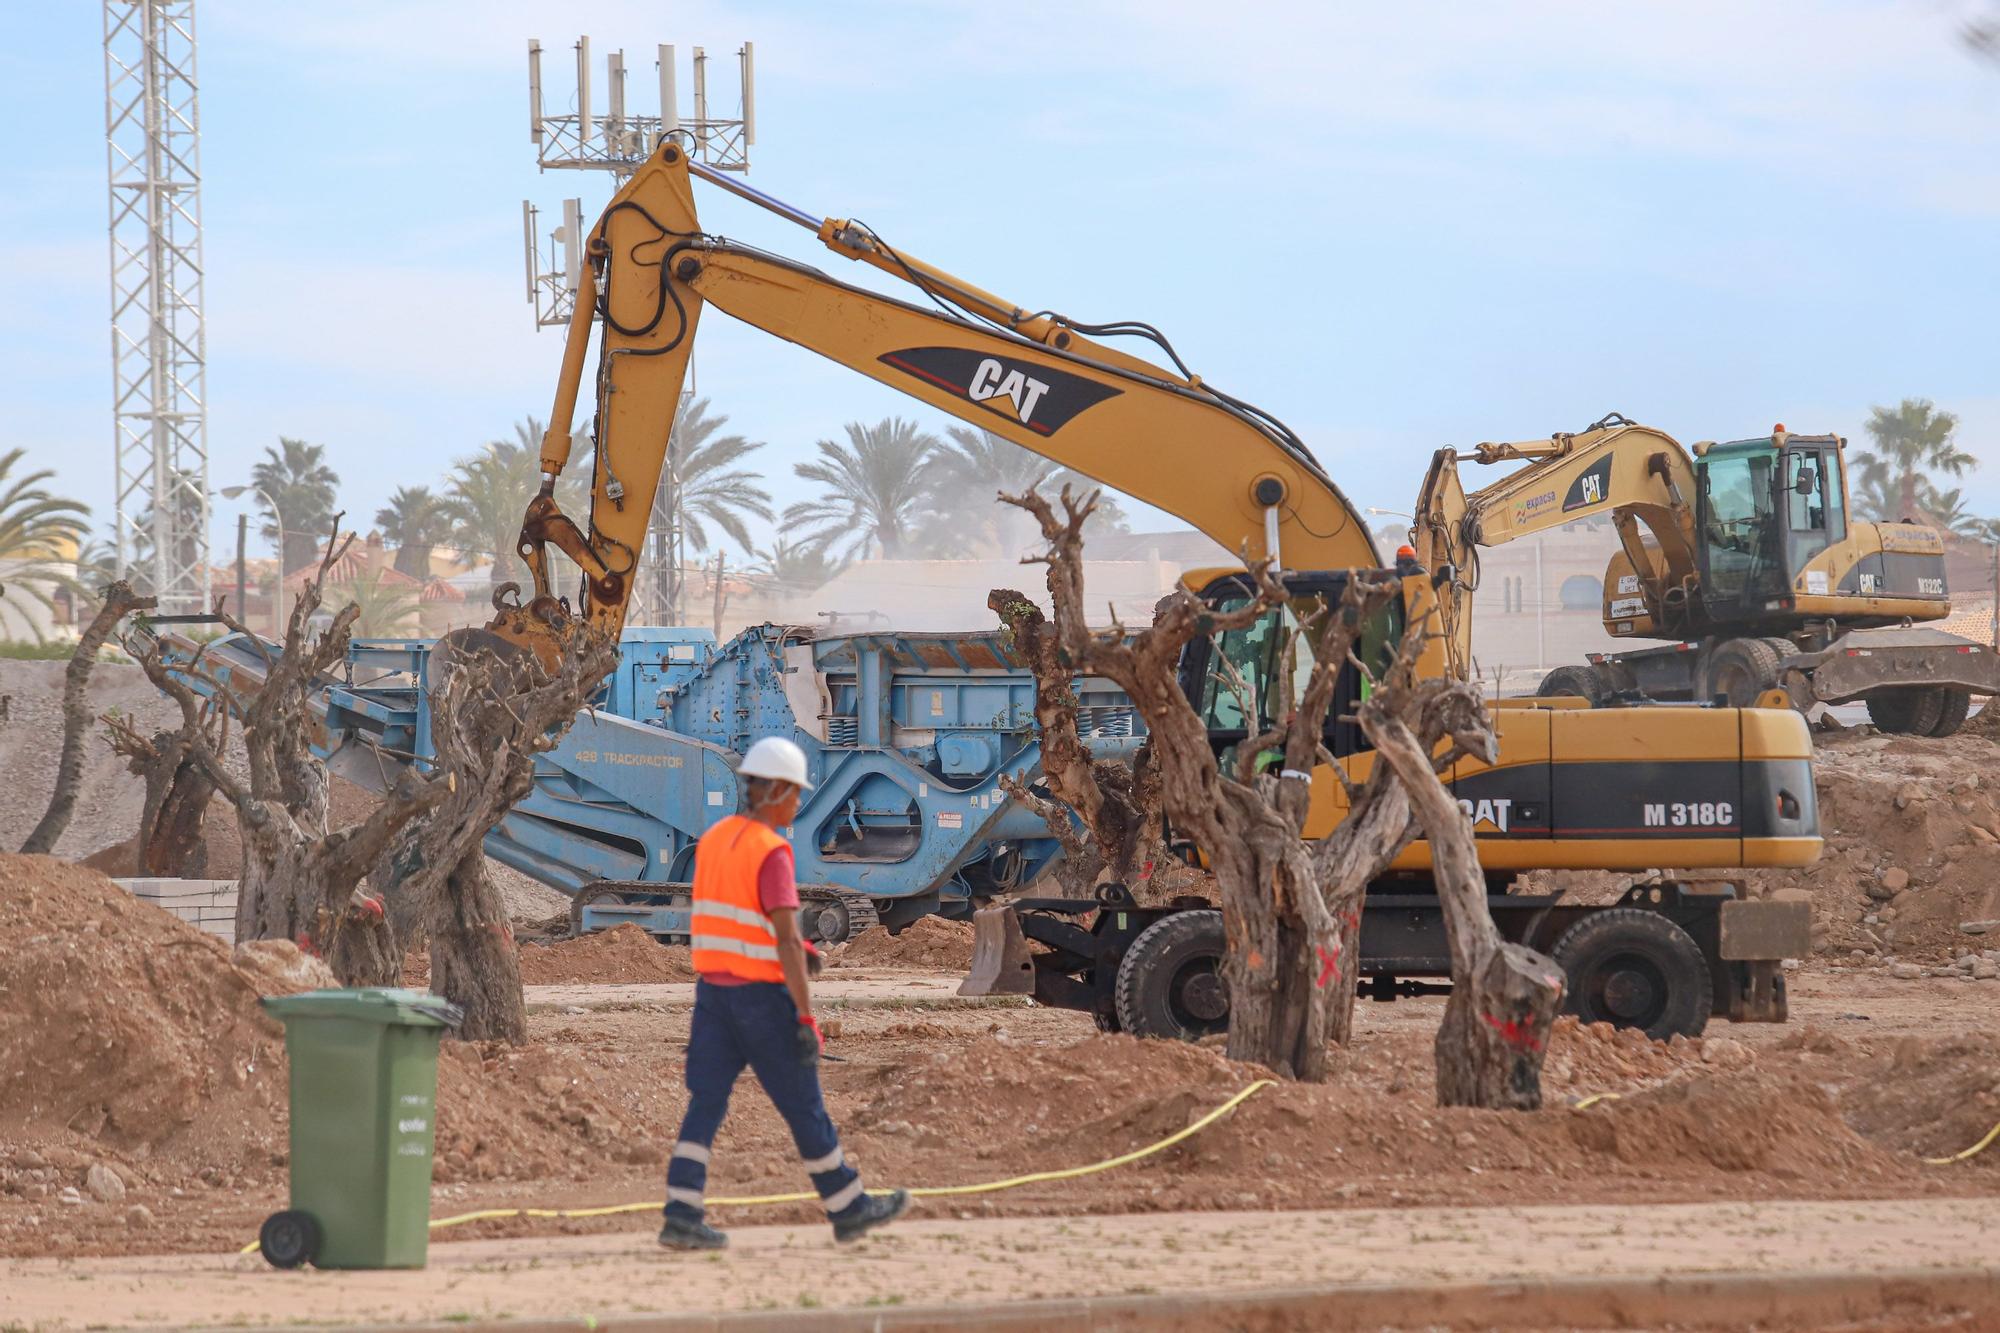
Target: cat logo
{"points": [[1590, 487], [1491, 813], [1868, 583], [991, 380], [1041, 398]]}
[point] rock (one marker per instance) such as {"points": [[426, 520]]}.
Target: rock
{"points": [[1791, 893], [1872, 919], [30, 1160], [1726, 1053], [1986, 970], [1977, 927], [103, 1183], [575, 1009], [1965, 961], [1908, 795], [69, 1196], [1905, 971], [138, 1216], [1895, 879], [1789, 965]]}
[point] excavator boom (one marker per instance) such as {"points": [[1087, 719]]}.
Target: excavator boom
{"points": [[1158, 435]]}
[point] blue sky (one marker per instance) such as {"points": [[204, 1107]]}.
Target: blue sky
{"points": [[1396, 227]]}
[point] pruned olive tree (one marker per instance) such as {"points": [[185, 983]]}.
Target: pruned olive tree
{"points": [[1291, 909], [492, 713], [300, 880]]}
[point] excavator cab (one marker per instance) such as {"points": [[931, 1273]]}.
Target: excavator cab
{"points": [[1764, 509], [1247, 668]]}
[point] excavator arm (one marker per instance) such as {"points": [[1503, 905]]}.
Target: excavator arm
{"points": [[1642, 477], [1039, 380]]}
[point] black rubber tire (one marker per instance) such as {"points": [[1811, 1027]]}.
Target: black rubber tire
{"points": [[1740, 670], [1105, 1022], [1634, 968], [1572, 682], [289, 1239], [1951, 713], [1169, 979], [1906, 710]]}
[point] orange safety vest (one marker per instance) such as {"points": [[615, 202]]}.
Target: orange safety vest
{"points": [[730, 932]]}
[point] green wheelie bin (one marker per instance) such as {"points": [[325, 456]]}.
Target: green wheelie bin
{"points": [[363, 1099]]}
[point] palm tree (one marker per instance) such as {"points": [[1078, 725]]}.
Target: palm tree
{"points": [[973, 470], [877, 486], [294, 476], [703, 482], [1947, 509], [1911, 440], [387, 608], [796, 567], [488, 493], [39, 532], [414, 522]]}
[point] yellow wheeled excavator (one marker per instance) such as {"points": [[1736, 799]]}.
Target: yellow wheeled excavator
{"points": [[1746, 555], [1603, 788]]}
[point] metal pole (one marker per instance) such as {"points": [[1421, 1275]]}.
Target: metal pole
{"points": [[242, 588], [1541, 599]]}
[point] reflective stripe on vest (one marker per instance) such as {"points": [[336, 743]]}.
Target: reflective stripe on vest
{"points": [[729, 932]]}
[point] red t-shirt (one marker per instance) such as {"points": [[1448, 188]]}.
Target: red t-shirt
{"points": [[777, 889]]}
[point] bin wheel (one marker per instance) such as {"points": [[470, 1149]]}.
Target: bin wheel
{"points": [[1170, 981], [1635, 968], [289, 1239]]}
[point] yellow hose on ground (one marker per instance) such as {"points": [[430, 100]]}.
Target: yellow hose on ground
{"points": [[1974, 1151], [921, 1192]]}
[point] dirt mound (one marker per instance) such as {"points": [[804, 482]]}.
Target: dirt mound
{"points": [[1912, 831], [529, 1113], [1932, 1097], [121, 1022], [1784, 1126], [928, 942], [622, 954]]}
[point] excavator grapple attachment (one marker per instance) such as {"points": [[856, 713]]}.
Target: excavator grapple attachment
{"points": [[1001, 964]]}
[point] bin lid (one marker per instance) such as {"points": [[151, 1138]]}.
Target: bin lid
{"points": [[391, 1006]]}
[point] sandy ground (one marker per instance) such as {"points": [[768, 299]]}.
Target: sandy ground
{"points": [[930, 1261]]}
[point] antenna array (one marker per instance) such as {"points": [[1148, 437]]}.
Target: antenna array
{"points": [[618, 142]]}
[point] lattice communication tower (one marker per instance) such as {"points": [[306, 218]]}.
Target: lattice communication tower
{"points": [[158, 341]]}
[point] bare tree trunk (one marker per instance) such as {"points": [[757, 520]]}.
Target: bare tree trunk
{"points": [[1504, 997], [175, 809], [1119, 807], [474, 963], [119, 601], [489, 719]]}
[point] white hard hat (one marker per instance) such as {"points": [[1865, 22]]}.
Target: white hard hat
{"points": [[776, 758]]}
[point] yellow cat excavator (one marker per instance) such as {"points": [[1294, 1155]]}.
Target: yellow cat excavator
{"points": [[1604, 788], [1746, 554]]}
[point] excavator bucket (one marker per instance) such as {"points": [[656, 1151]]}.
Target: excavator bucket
{"points": [[1000, 961]]}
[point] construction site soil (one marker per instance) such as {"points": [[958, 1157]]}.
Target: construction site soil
{"points": [[929, 942], [142, 1099]]}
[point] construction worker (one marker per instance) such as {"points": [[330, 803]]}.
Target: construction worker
{"points": [[752, 1007]]}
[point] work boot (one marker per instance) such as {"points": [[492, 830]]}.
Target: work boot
{"points": [[871, 1212], [679, 1234]]}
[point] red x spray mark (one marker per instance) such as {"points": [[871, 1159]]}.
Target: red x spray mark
{"points": [[1514, 1032]]}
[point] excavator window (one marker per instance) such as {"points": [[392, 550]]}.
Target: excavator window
{"points": [[1812, 478], [1738, 525], [1252, 662]]}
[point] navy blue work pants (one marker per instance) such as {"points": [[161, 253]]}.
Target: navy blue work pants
{"points": [[756, 1025]]}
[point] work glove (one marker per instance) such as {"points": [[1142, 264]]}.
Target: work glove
{"points": [[811, 1041], [815, 963]]}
